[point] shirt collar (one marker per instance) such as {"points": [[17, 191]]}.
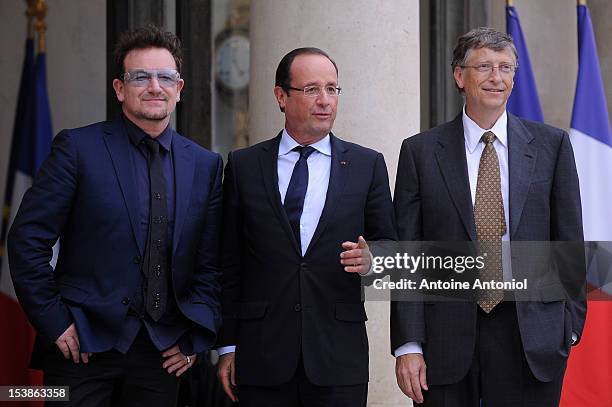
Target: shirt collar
{"points": [[288, 143], [136, 134], [474, 132]]}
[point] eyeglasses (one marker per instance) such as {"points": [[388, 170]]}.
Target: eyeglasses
{"points": [[142, 77], [505, 69], [314, 91]]}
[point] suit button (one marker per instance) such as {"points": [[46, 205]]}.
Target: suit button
{"points": [[125, 301], [297, 308], [137, 259], [303, 265]]}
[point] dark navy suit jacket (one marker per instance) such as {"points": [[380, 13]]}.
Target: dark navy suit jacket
{"points": [[85, 194], [280, 305]]}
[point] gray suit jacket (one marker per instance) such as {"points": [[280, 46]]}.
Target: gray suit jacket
{"points": [[433, 203]]}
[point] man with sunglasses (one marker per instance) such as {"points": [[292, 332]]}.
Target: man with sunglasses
{"points": [[297, 211], [136, 207]]}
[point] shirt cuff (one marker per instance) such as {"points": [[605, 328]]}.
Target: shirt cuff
{"points": [[226, 349], [371, 269], [410, 347]]}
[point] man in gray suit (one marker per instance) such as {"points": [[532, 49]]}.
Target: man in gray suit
{"points": [[487, 176]]}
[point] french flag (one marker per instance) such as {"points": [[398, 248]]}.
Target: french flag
{"points": [[31, 144], [588, 380], [523, 101]]}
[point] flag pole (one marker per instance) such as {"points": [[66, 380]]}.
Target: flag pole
{"points": [[30, 15], [40, 11], [6, 207], [509, 3], [581, 2]]}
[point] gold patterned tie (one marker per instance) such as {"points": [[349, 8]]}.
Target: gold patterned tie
{"points": [[490, 222]]}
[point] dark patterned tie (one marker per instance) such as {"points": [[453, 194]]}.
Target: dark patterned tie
{"points": [[296, 191], [156, 251], [490, 222]]}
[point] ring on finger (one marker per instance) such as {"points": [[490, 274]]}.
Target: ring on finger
{"points": [[188, 359]]}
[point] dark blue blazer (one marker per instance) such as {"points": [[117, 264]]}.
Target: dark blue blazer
{"points": [[433, 203], [85, 194]]}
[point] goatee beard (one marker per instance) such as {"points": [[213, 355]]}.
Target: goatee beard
{"points": [[154, 116]]}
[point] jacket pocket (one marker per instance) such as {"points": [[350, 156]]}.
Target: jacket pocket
{"points": [[252, 310], [552, 293], [350, 312], [71, 292]]}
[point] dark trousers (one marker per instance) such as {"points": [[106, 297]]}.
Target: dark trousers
{"points": [[114, 379], [499, 375], [300, 392]]}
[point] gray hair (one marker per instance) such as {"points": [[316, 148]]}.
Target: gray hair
{"points": [[482, 37]]}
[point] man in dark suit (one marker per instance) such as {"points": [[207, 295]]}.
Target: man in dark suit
{"points": [[137, 209], [296, 211], [487, 176]]}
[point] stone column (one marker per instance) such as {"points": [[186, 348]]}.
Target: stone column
{"points": [[601, 13], [376, 47]]}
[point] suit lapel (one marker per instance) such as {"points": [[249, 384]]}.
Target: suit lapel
{"points": [[337, 180], [268, 160], [521, 162], [184, 167], [117, 143], [450, 155]]}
